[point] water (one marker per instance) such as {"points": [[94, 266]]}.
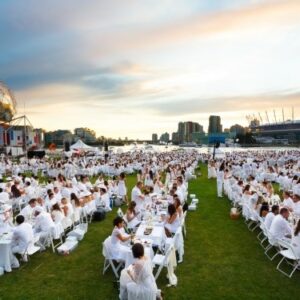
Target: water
{"points": [[204, 149]]}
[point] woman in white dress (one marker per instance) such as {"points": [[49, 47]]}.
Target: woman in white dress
{"points": [[104, 198], [149, 179], [57, 214], [131, 216], [118, 236], [137, 281], [77, 207], [172, 222], [220, 179], [122, 190]]}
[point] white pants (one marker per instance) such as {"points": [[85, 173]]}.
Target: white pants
{"points": [[220, 188]]}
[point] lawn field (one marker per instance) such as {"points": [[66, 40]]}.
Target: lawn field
{"points": [[222, 260]]}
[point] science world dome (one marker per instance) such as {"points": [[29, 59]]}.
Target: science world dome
{"points": [[7, 104]]}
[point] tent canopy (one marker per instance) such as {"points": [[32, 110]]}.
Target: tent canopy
{"points": [[80, 145]]}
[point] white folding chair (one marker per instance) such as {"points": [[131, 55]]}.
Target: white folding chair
{"points": [[56, 233], [109, 261], [288, 254], [273, 243], [161, 260], [183, 225], [31, 249], [177, 242]]}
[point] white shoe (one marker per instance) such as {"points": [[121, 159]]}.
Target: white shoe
{"points": [[24, 258]]}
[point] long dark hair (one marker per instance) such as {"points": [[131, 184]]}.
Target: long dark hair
{"points": [[222, 167]]}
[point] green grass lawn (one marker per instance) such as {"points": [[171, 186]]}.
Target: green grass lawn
{"points": [[223, 260]]}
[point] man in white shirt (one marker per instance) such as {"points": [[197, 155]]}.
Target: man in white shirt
{"points": [[280, 228], [22, 236], [287, 201], [271, 215], [43, 223], [137, 195], [27, 211]]}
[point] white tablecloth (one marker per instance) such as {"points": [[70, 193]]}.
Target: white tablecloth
{"points": [[157, 235], [6, 256]]}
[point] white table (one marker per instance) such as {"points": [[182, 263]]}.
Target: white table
{"points": [[6, 256], [157, 235]]}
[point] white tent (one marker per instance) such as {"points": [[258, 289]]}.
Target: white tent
{"points": [[81, 146]]}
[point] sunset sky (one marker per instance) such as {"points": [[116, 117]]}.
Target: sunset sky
{"points": [[134, 67]]}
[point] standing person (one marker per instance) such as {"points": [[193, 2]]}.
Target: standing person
{"points": [[220, 179], [122, 189], [137, 196]]}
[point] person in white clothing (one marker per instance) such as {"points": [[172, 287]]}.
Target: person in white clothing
{"points": [[271, 215], [57, 214], [280, 228], [118, 236], [22, 236], [104, 198], [172, 221], [43, 223], [220, 179], [4, 196], [137, 281], [296, 199], [296, 239], [288, 201], [137, 196], [122, 190], [27, 211]]}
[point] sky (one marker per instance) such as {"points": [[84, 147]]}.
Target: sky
{"points": [[130, 68]]}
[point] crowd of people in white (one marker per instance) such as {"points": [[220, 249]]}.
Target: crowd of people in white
{"points": [[247, 179], [34, 213]]}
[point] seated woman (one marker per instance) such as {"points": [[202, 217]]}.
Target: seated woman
{"points": [[137, 281], [77, 207], [147, 199], [172, 222], [178, 206], [131, 216], [264, 210], [119, 251], [57, 214]]}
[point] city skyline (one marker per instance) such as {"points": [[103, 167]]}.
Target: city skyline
{"points": [[129, 68]]}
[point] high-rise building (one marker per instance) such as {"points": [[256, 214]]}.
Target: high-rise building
{"points": [[215, 125], [185, 132], [165, 137], [154, 138]]}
